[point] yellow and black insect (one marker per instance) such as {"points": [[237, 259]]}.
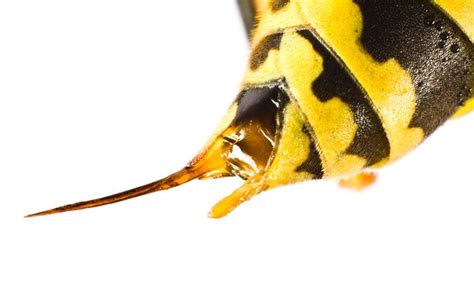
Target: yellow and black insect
{"points": [[333, 87]]}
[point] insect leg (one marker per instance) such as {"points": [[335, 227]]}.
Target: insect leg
{"points": [[359, 181], [251, 187]]}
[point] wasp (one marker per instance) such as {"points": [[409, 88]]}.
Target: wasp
{"points": [[332, 89]]}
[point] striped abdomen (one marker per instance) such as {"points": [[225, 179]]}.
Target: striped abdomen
{"points": [[370, 79], [333, 87]]}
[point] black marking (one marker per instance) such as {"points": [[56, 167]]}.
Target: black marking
{"points": [[279, 4], [370, 141], [260, 53], [429, 46], [248, 13], [313, 163]]}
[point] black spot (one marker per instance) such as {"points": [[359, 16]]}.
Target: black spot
{"points": [[260, 53], [279, 4], [429, 46], [444, 36], [438, 25], [370, 141], [454, 48]]}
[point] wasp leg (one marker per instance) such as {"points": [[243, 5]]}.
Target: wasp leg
{"points": [[359, 181], [251, 187]]}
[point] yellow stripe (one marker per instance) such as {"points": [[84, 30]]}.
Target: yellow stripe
{"points": [[339, 23], [462, 12], [261, 5], [332, 121], [270, 22], [290, 156], [467, 108]]}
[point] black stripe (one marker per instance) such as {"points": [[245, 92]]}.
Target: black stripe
{"points": [[248, 13], [260, 53], [370, 141], [279, 4], [313, 163], [429, 46], [451, 17]]}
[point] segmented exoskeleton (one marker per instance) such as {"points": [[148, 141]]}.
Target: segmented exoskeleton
{"points": [[333, 88]]}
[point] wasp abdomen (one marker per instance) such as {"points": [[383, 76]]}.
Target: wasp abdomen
{"points": [[332, 88], [436, 53]]}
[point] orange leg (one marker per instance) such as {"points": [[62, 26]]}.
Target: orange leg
{"points": [[249, 189], [359, 181]]}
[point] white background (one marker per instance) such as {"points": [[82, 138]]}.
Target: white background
{"points": [[101, 96]]}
